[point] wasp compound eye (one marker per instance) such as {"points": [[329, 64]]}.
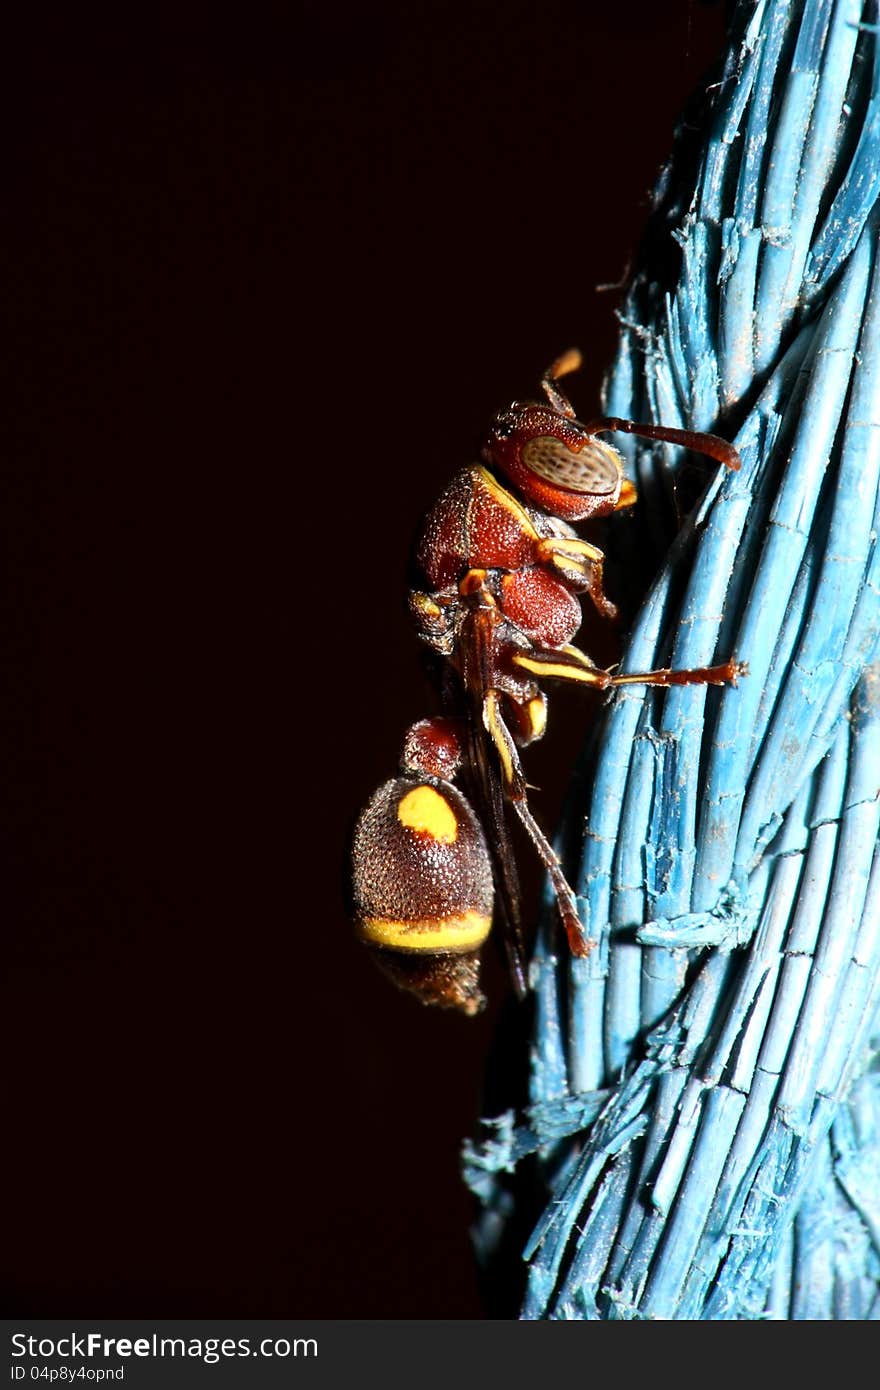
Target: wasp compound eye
{"points": [[594, 469], [423, 889]]}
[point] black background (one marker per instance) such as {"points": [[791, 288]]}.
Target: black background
{"points": [[270, 276]]}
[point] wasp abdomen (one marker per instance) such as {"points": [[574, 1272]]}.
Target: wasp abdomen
{"points": [[423, 888]]}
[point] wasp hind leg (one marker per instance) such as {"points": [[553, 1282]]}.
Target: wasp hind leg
{"points": [[515, 790], [570, 664]]}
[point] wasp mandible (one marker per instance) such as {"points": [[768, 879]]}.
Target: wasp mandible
{"points": [[500, 575]]}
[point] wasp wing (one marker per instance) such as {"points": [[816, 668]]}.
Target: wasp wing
{"points": [[487, 790], [485, 785]]}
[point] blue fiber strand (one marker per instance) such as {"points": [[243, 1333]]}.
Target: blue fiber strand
{"points": [[758, 122], [662, 977], [720, 1116], [587, 995], [549, 1074], [666, 1096], [623, 1016], [822, 147], [786, 237], [855, 200]]}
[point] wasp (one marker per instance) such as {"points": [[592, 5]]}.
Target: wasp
{"points": [[500, 575]]}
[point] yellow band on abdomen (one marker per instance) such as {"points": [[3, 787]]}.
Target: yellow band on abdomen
{"points": [[461, 933]]}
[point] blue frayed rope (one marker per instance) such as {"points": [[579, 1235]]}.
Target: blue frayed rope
{"points": [[704, 1108]]}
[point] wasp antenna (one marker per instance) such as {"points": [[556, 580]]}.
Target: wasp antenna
{"points": [[563, 366], [568, 362], [709, 444]]}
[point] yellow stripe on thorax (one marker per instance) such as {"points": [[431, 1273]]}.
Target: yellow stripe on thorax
{"points": [[506, 499]]}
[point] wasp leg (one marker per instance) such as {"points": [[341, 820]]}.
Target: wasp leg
{"points": [[709, 444], [569, 664], [726, 674], [561, 664], [581, 565], [515, 788]]}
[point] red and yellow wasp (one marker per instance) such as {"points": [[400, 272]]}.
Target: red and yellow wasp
{"points": [[500, 574]]}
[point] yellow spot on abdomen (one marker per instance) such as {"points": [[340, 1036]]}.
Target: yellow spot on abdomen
{"points": [[426, 812]]}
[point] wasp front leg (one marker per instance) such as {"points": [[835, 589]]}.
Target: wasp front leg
{"points": [[581, 568]]}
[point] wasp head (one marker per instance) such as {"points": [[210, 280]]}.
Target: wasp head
{"points": [[554, 461]]}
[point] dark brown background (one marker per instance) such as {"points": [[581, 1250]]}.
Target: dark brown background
{"points": [[270, 277]]}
